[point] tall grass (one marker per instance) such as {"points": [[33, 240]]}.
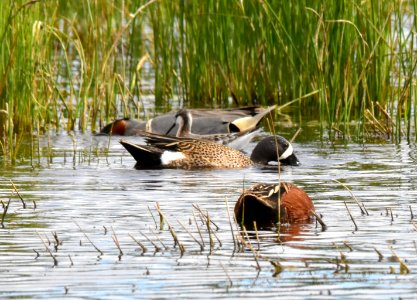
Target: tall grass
{"points": [[74, 65]]}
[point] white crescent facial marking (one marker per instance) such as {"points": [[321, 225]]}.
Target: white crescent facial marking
{"points": [[287, 152], [169, 156]]}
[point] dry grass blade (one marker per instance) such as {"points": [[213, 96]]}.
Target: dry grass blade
{"points": [[191, 235], [48, 250], [258, 266], [72, 263], [360, 205], [5, 209], [161, 217], [295, 135], [159, 240], [209, 232], [157, 248], [116, 242], [139, 243], [198, 229], [351, 217], [171, 230], [231, 225], [88, 239], [320, 220], [149, 209], [380, 256], [18, 194], [404, 269], [57, 241], [205, 215]]}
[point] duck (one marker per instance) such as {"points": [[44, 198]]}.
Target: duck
{"points": [[163, 151], [205, 121], [184, 121], [269, 204]]}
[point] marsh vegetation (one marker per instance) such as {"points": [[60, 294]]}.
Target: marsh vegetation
{"points": [[70, 65]]}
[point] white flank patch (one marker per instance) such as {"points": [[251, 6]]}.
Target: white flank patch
{"points": [[287, 152], [169, 156]]}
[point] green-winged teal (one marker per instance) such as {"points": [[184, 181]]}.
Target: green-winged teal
{"points": [[173, 152], [267, 204], [205, 121]]}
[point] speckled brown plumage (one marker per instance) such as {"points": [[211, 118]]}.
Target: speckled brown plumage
{"points": [[260, 204], [204, 154], [163, 151]]}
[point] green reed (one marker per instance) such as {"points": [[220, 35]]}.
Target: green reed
{"points": [[76, 65]]}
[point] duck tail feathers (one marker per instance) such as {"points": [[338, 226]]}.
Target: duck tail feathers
{"points": [[146, 156]]}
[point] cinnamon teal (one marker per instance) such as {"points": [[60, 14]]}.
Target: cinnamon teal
{"points": [[172, 152], [205, 121], [268, 204]]}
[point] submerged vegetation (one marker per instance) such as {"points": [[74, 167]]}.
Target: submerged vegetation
{"points": [[71, 65]]}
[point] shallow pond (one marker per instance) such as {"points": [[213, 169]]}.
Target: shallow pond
{"points": [[92, 212]]}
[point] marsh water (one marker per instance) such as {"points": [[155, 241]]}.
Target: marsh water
{"points": [[91, 228]]}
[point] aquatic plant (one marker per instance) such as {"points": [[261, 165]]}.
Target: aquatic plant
{"points": [[69, 65]]}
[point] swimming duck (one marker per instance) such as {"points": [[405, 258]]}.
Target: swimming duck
{"points": [[184, 120], [260, 203], [172, 152], [205, 121]]}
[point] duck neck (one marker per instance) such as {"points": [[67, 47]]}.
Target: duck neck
{"points": [[184, 121]]}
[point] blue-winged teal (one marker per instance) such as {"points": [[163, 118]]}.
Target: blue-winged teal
{"points": [[205, 121], [260, 204], [172, 152], [184, 121]]}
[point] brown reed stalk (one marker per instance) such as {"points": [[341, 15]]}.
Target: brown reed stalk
{"points": [[191, 235], [161, 217], [258, 266], [171, 230], [88, 239], [72, 263], [18, 194], [159, 240], [116, 242], [154, 220], [205, 215], [48, 250], [209, 232], [320, 220], [404, 269], [380, 256], [5, 209], [231, 225], [157, 249], [198, 229], [351, 217], [360, 205], [139, 243]]}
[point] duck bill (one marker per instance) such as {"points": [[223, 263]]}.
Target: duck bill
{"points": [[291, 160], [170, 128]]}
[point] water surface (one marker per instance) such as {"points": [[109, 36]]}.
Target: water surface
{"points": [[96, 198]]}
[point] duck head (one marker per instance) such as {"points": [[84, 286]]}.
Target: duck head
{"points": [[125, 126], [272, 149]]}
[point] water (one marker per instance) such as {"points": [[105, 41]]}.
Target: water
{"points": [[99, 197]]}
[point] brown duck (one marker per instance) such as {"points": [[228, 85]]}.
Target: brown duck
{"points": [[268, 204]]}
